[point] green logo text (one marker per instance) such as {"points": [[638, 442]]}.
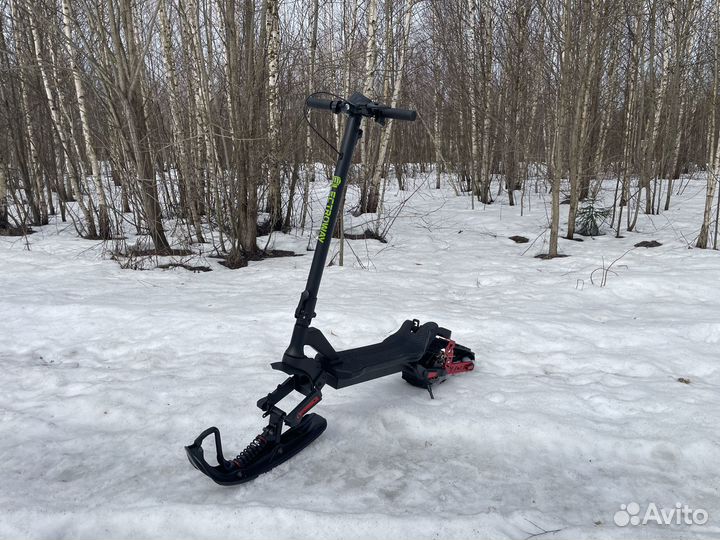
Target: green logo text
{"points": [[336, 181]]}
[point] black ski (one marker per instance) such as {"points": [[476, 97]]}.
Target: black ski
{"points": [[268, 456]]}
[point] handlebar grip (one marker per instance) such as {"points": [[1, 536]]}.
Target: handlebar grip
{"points": [[317, 103], [399, 114]]}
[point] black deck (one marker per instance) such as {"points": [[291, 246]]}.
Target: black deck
{"points": [[362, 364]]}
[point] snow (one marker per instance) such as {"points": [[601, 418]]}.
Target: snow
{"points": [[574, 407]]}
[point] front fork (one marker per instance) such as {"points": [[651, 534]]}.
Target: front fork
{"points": [[278, 417]]}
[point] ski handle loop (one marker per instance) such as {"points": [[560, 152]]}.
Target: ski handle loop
{"points": [[369, 109], [218, 444]]}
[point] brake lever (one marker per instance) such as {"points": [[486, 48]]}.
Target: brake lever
{"points": [[374, 112]]}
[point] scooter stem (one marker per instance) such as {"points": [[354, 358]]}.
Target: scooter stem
{"points": [[305, 312]]}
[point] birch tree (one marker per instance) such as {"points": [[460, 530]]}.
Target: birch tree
{"points": [[371, 53], [310, 170], [194, 108], [378, 174], [35, 175], [272, 29], [104, 226], [129, 71], [4, 222], [713, 174]]}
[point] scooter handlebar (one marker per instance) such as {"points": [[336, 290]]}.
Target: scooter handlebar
{"points": [[318, 103], [364, 107], [397, 114]]}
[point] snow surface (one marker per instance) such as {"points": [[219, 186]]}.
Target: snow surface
{"points": [[574, 407]]}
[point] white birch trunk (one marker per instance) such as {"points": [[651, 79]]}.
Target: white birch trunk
{"points": [[103, 216], [4, 224], [310, 164], [474, 99], [713, 175], [385, 138], [368, 84], [272, 28], [34, 160], [487, 34], [371, 49], [183, 169], [556, 168]]}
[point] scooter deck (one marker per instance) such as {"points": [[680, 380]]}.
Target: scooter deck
{"points": [[406, 346]]}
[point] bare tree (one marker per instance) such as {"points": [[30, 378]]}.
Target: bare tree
{"points": [[374, 196], [272, 29], [181, 119], [714, 173]]}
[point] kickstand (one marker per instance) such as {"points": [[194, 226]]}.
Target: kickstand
{"points": [[429, 389]]}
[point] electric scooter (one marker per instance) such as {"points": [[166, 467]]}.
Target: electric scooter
{"points": [[424, 354]]}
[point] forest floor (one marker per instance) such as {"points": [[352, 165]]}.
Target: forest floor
{"points": [[584, 397]]}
